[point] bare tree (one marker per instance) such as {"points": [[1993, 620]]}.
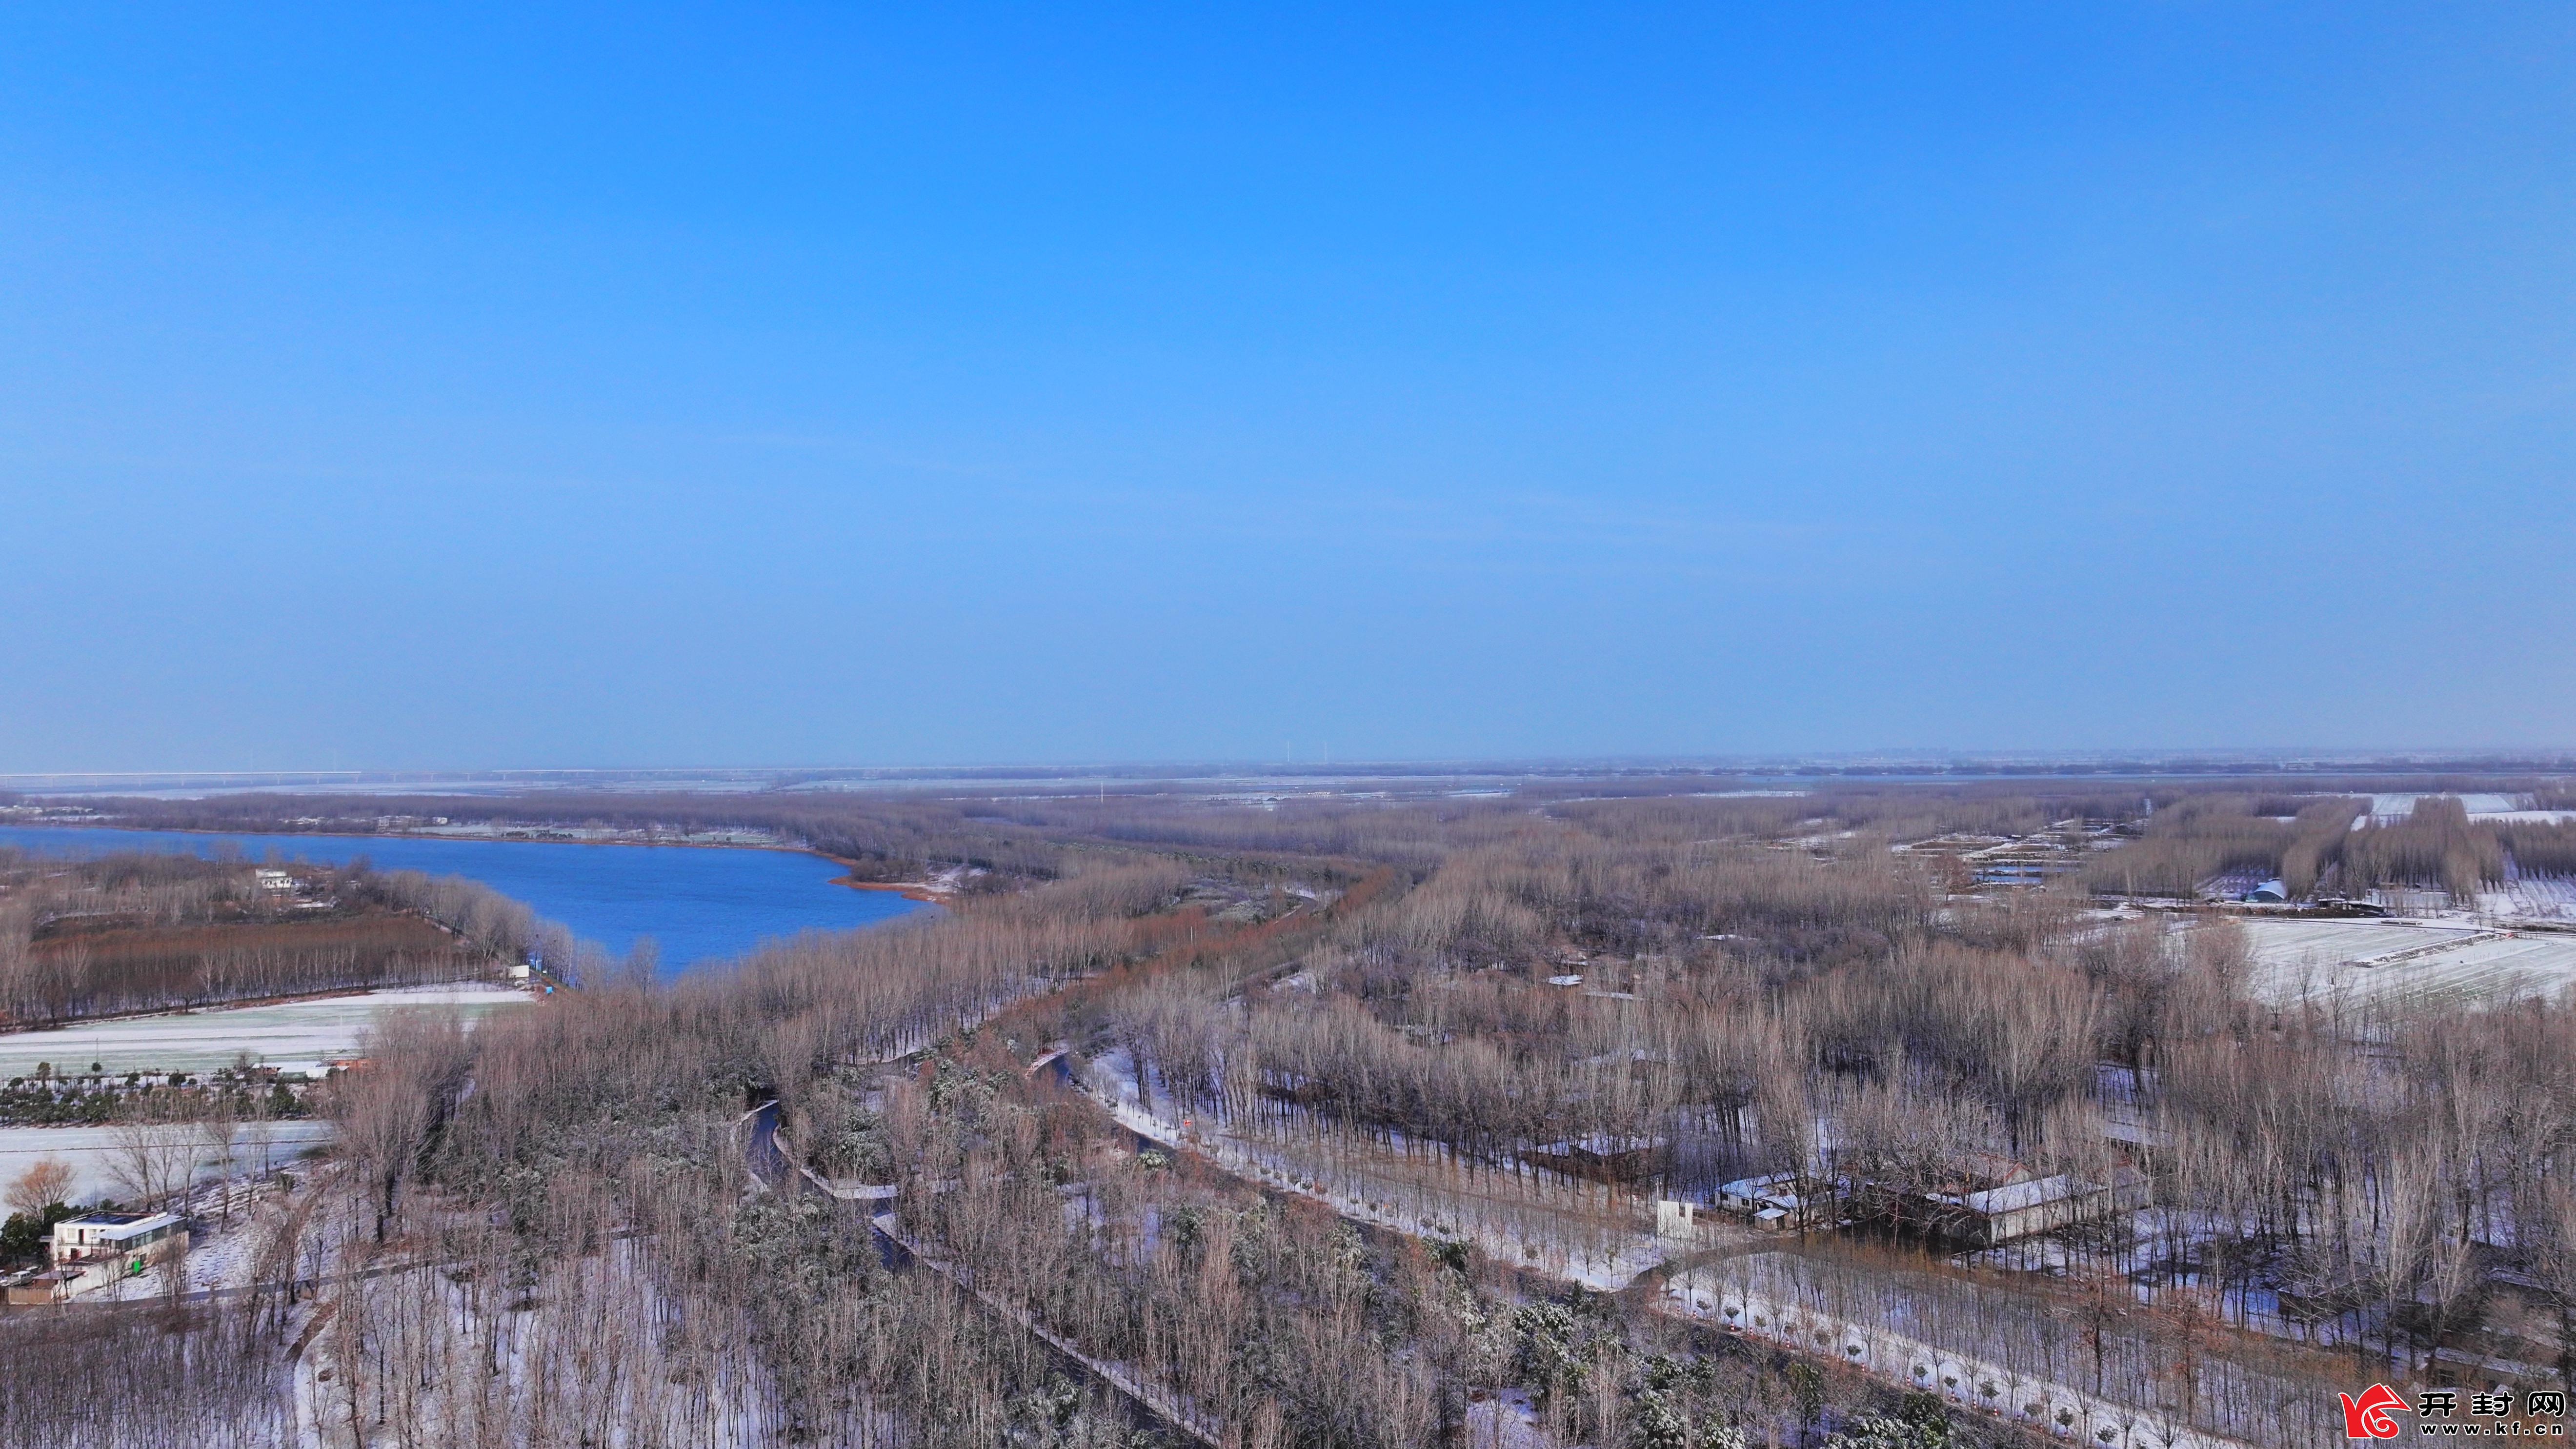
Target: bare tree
{"points": [[2557, 1263], [259, 1132], [387, 1108], [40, 1186], [221, 1128], [152, 1161]]}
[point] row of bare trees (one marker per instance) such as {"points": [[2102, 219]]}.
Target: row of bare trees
{"points": [[128, 933]]}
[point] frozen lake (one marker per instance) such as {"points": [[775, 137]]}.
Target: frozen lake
{"points": [[697, 903]]}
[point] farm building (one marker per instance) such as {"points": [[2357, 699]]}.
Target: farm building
{"points": [[2037, 1205], [2019, 863], [1747, 1195], [2031, 860], [1775, 1202]]}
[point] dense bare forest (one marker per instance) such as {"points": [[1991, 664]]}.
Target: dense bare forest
{"points": [[1414, 1120]]}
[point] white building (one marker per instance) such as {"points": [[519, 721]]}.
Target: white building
{"points": [[121, 1243], [2042, 1205], [1676, 1218], [1748, 1195]]}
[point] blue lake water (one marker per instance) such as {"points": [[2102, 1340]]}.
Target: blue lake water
{"points": [[698, 904]]}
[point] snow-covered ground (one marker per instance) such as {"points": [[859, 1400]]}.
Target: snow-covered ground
{"points": [[466, 1358], [90, 1152], [2532, 898], [1508, 1421], [2389, 809], [2302, 959], [224, 1248], [195, 1041]]}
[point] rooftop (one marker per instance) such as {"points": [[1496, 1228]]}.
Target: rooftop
{"points": [[113, 1227], [1751, 1186]]}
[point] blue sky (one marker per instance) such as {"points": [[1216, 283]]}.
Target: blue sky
{"points": [[775, 384]]}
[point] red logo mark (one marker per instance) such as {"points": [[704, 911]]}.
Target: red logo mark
{"points": [[2367, 1416]]}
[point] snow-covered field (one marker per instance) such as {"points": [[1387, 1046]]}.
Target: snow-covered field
{"points": [[2532, 898], [2295, 960], [197, 1041], [90, 1152], [2390, 809]]}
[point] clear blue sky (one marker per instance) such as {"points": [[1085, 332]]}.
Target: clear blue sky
{"points": [[773, 384]]}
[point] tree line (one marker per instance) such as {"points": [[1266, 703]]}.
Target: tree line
{"points": [[146, 932]]}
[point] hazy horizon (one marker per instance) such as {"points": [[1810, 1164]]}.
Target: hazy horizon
{"points": [[2180, 766]]}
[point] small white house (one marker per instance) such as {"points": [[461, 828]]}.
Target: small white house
{"points": [[129, 1241], [274, 880]]}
